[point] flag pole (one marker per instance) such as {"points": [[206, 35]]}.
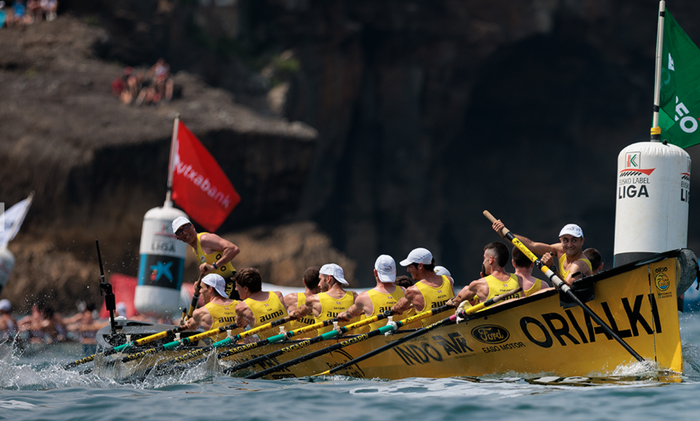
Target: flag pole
{"points": [[656, 130], [171, 164]]}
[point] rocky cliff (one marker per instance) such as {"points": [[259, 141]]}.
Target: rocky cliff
{"points": [[424, 113]]}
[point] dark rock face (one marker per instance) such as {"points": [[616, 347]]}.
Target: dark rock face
{"points": [[427, 113]]}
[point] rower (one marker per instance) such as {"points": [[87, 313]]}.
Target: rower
{"points": [[219, 310], [495, 280], [213, 252], [258, 307], [332, 301], [380, 298], [297, 300], [568, 251], [430, 291], [595, 258], [523, 268]]}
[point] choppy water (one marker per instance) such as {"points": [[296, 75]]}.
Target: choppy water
{"points": [[37, 388]]}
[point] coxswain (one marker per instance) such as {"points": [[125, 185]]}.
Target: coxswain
{"points": [[257, 307], [380, 298], [572, 263], [494, 281], [297, 300], [430, 291], [219, 311], [213, 252]]}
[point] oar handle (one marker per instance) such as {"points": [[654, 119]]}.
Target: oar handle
{"points": [[504, 231]]}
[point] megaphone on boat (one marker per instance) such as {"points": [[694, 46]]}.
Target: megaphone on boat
{"points": [[653, 195], [161, 263], [7, 263]]}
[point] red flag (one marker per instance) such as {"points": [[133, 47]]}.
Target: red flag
{"points": [[199, 185]]}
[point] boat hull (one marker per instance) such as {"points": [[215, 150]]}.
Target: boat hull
{"points": [[537, 334]]}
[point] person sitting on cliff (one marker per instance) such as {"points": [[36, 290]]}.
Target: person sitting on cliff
{"points": [[380, 298], [163, 84], [214, 253], [297, 300], [219, 310], [572, 263], [430, 291], [332, 299], [595, 258], [258, 307], [494, 278]]}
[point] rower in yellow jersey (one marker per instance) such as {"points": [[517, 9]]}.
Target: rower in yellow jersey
{"points": [[213, 252], [495, 280], [219, 310], [258, 307], [380, 298], [430, 291], [332, 301], [297, 300]]}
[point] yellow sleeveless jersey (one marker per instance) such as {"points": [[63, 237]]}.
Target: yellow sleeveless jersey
{"points": [[226, 271], [564, 273], [331, 307], [304, 321], [267, 311], [382, 302], [434, 297], [538, 285], [222, 316]]}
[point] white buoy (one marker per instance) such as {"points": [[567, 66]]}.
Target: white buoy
{"points": [[161, 263], [7, 263], [653, 195]]}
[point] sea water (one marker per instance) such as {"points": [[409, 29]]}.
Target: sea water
{"points": [[39, 389]]}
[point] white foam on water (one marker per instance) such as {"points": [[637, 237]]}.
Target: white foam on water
{"points": [[12, 404]]}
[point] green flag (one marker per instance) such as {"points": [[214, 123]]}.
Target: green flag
{"points": [[680, 87]]}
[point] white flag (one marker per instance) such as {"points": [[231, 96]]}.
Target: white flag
{"points": [[12, 219]]}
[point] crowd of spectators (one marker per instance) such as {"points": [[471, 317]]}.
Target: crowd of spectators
{"points": [[144, 87], [20, 13]]}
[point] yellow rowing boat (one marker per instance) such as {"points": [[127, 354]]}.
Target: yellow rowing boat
{"points": [[543, 333]]}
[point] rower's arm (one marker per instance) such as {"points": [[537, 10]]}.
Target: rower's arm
{"points": [[214, 242], [359, 307], [244, 317]]}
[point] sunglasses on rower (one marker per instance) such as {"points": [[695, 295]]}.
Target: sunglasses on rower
{"points": [[181, 229]]}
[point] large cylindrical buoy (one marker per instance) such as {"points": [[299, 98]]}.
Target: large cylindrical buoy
{"points": [[7, 263], [161, 263], [653, 195]]}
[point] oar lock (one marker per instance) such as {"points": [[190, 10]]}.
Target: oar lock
{"points": [[460, 312], [229, 333], [393, 324], [282, 331]]}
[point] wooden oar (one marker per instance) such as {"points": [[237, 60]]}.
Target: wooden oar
{"points": [[561, 285], [160, 369], [345, 343], [303, 344], [422, 331], [224, 342], [195, 296]]}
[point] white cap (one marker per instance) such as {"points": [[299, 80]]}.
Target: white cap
{"points": [[180, 221], [571, 229], [335, 271], [217, 281], [386, 268], [5, 305], [442, 270], [419, 255]]}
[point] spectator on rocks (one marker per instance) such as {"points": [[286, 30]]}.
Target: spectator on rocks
{"points": [[49, 8], [3, 14]]}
